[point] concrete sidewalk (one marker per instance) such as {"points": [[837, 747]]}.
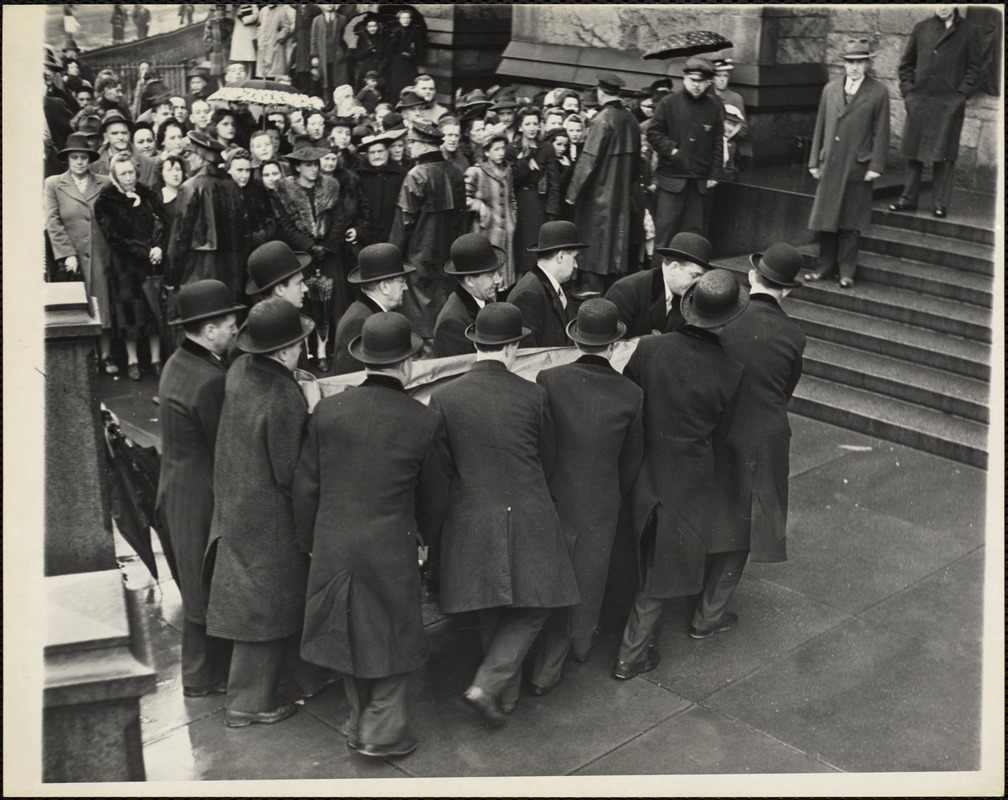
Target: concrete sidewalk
{"points": [[862, 653]]}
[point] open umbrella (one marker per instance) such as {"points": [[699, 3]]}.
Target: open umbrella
{"points": [[266, 93], [690, 43]]}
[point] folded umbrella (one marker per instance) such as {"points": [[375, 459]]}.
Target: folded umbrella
{"points": [[690, 43]]}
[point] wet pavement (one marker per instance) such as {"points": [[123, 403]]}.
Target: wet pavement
{"points": [[861, 653]]}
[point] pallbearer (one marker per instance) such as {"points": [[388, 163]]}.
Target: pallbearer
{"points": [[479, 267]]}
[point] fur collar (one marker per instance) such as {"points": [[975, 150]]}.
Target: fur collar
{"points": [[295, 202]]}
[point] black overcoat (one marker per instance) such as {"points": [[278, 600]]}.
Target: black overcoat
{"points": [[501, 544], [349, 328], [769, 345], [692, 128], [691, 388], [542, 311], [455, 316], [939, 69], [640, 300], [191, 394], [381, 186], [373, 474], [257, 592], [599, 444]]}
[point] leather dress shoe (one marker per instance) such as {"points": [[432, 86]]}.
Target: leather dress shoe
{"points": [[351, 738], [241, 719], [308, 694], [542, 691], [403, 747], [624, 670], [940, 211], [486, 704], [726, 624], [812, 277], [902, 205], [846, 283], [220, 687]]}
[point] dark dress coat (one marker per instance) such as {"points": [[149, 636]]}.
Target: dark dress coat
{"points": [[327, 44], [601, 186], [847, 142], [541, 309], [530, 199], [691, 388], [455, 316], [381, 186], [640, 300], [501, 544], [371, 484], [349, 328], [939, 69], [131, 232], [191, 394], [370, 53], [558, 176], [406, 50], [599, 445], [769, 345]]}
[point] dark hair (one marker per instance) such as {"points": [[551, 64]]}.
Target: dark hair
{"points": [[553, 133], [238, 152], [171, 122], [106, 83], [497, 137], [196, 326], [172, 160], [220, 114]]}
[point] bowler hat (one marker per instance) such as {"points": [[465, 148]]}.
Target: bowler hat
{"points": [[610, 83], [473, 254], [271, 263], [597, 323], [78, 143], [115, 116], [716, 298], [409, 99], [273, 325], [779, 264], [427, 132], [204, 300], [497, 324], [690, 247], [386, 338], [305, 152], [698, 65], [856, 50], [378, 262], [557, 235]]}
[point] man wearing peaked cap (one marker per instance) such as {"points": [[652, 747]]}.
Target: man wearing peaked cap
{"points": [[381, 275], [599, 192], [648, 301], [597, 413], [691, 388], [257, 593], [191, 394], [478, 266], [502, 547], [357, 489]]}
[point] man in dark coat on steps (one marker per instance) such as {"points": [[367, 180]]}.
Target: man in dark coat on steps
{"points": [[600, 439], [191, 394], [478, 265], [371, 485], [648, 302], [503, 551]]}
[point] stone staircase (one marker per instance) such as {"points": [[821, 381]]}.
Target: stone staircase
{"points": [[905, 355]]}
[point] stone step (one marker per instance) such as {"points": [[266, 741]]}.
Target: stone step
{"points": [[953, 284], [906, 342], [904, 380], [923, 221], [892, 303], [929, 248], [894, 420]]}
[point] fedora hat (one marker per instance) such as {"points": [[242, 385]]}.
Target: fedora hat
{"points": [[496, 324], [699, 65], [77, 142], [386, 338], [477, 97], [378, 262], [504, 102], [273, 325], [716, 298], [115, 116], [557, 235], [199, 72], [204, 300], [472, 254], [409, 99], [425, 131], [306, 152], [779, 264], [613, 84], [271, 263], [597, 323], [690, 247], [856, 50]]}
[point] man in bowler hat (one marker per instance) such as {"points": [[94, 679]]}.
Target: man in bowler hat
{"points": [[769, 345], [382, 277], [502, 547], [191, 394], [597, 413], [539, 292], [257, 592], [478, 265], [648, 301], [691, 388], [371, 485]]}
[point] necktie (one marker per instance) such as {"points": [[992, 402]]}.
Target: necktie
{"points": [[563, 297]]}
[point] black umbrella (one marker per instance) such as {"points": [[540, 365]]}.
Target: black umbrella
{"points": [[690, 43], [134, 473]]}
